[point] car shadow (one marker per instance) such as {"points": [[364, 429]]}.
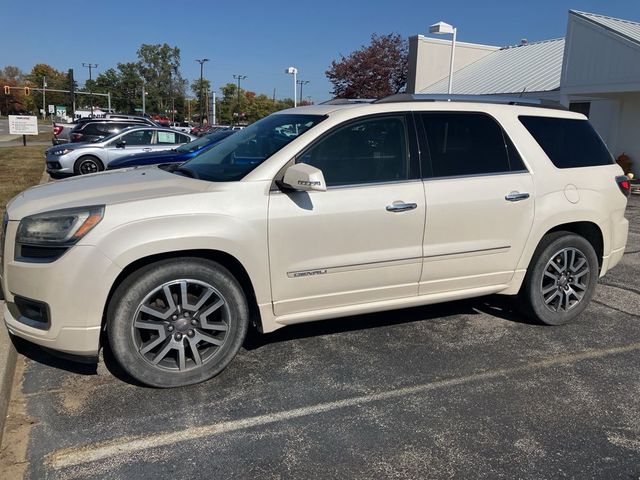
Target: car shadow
{"points": [[495, 305]]}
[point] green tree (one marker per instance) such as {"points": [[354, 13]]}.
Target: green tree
{"points": [[200, 100], [159, 65], [54, 79]]}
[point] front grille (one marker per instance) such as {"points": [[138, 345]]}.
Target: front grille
{"points": [[54, 165]]}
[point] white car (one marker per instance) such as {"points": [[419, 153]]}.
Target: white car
{"points": [[83, 158], [185, 127], [401, 202]]}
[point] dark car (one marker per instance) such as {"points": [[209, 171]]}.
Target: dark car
{"points": [[177, 155], [96, 129]]}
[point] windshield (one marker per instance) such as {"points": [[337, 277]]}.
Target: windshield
{"points": [[243, 151]]}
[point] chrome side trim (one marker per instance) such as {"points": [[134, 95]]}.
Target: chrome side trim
{"points": [[483, 251], [348, 268]]}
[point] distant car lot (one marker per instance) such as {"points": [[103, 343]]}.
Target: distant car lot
{"points": [[465, 389]]}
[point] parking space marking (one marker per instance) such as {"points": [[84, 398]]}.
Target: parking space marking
{"points": [[128, 446]]}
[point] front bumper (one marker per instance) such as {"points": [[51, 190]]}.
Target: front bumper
{"points": [[75, 288]]}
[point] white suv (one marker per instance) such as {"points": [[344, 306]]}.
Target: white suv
{"points": [[314, 213]]}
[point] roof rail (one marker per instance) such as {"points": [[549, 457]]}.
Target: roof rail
{"points": [[499, 99], [347, 101]]}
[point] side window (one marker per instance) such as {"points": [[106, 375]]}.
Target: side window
{"points": [[183, 139], [139, 137], [167, 138], [467, 144], [366, 151]]}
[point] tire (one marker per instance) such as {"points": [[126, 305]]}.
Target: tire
{"points": [[168, 341], [573, 262], [87, 165]]}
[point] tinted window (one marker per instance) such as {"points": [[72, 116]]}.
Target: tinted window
{"points": [[367, 151], [139, 137], [467, 144], [568, 142]]}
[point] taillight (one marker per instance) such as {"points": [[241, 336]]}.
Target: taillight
{"points": [[625, 184], [56, 130], [76, 136]]}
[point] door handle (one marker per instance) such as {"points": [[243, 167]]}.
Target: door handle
{"points": [[516, 196], [401, 207], [146, 149]]}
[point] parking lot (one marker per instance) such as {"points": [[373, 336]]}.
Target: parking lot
{"points": [[464, 389]]}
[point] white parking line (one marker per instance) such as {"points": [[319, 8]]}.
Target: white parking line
{"points": [[131, 445]]}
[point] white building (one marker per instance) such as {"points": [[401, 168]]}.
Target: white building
{"points": [[595, 70]]}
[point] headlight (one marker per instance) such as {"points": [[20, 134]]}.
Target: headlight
{"points": [[62, 152], [59, 227]]}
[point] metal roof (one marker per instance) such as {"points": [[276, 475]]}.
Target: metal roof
{"points": [[625, 28], [534, 67]]}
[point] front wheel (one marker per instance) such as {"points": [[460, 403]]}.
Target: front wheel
{"points": [[88, 164], [177, 322], [561, 279]]}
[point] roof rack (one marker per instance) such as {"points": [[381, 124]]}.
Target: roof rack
{"points": [[347, 101], [499, 99]]}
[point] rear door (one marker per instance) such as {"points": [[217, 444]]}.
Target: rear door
{"points": [[167, 140], [480, 201]]}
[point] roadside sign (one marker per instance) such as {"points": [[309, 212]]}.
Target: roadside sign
{"points": [[52, 109], [23, 125], [61, 110]]}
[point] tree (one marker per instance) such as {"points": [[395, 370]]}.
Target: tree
{"points": [[373, 71], [159, 65], [13, 77], [195, 88], [54, 79]]}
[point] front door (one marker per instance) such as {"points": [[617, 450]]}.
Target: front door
{"points": [[138, 141], [361, 240]]}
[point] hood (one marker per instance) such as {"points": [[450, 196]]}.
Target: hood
{"points": [[74, 146], [104, 188]]}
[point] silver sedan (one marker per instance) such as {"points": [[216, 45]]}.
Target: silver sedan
{"points": [[83, 158]]}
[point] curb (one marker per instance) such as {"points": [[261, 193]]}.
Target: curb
{"points": [[8, 357]]}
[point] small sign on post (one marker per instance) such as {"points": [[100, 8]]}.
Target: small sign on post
{"points": [[52, 109], [23, 125]]}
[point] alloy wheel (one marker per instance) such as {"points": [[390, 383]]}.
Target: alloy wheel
{"points": [[565, 280], [181, 325]]}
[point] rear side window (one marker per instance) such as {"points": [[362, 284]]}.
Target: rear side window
{"points": [[568, 142], [461, 144]]}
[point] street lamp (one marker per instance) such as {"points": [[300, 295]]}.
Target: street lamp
{"points": [[442, 28], [293, 71], [201, 62], [90, 66]]}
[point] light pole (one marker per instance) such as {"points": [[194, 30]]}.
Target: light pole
{"points": [[90, 66], [301, 83], [144, 98], [442, 28], [201, 62], [293, 71], [239, 77]]}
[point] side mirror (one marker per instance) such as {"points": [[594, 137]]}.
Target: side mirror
{"points": [[304, 177], [121, 144]]}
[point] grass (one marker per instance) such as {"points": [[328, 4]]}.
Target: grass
{"points": [[41, 137], [20, 168]]}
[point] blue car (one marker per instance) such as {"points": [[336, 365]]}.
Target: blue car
{"points": [[177, 155]]}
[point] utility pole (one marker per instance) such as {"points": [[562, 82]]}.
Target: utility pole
{"points": [[301, 83], [90, 66], [44, 97], [239, 77], [201, 102], [144, 99]]}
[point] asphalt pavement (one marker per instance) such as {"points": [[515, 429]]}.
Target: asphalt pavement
{"points": [[466, 389]]}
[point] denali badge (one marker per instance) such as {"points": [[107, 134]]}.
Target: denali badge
{"points": [[309, 183], [307, 273]]}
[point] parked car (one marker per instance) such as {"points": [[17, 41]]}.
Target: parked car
{"points": [[185, 127], [161, 120], [62, 132], [97, 129], [406, 201], [83, 158], [175, 155]]}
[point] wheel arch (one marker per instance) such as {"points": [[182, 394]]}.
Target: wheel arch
{"points": [[76, 164], [225, 259]]}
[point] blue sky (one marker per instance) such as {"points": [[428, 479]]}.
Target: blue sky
{"points": [[261, 38]]}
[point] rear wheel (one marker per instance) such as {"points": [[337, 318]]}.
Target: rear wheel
{"points": [[561, 279], [88, 164], [177, 322]]}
